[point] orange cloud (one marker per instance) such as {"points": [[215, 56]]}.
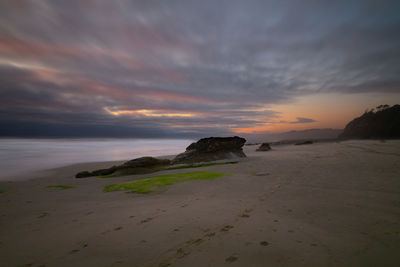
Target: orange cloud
{"points": [[147, 113], [274, 127]]}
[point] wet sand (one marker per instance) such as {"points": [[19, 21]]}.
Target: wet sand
{"points": [[327, 204]]}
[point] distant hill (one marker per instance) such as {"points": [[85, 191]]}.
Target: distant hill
{"points": [[381, 123], [316, 134], [310, 134]]}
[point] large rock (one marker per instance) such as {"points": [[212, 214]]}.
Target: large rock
{"points": [[142, 165], [264, 147], [144, 162], [212, 148], [135, 166], [383, 123]]}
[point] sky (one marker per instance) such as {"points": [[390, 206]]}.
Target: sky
{"points": [[177, 69]]}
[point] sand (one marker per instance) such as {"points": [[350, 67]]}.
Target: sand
{"points": [[330, 204]]}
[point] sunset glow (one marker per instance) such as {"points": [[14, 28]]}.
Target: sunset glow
{"points": [[146, 113]]}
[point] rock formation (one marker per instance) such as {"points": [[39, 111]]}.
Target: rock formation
{"points": [[212, 148], [264, 147], [206, 149], [135, 166], [384, 123]]}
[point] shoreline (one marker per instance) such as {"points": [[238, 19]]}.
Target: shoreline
{"points": [[43, 173], [93, 165], [20, 158]]}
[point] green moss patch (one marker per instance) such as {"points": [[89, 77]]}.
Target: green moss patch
{"points": [[145, 185], [186, 166], [198, 165], [60, 186]]}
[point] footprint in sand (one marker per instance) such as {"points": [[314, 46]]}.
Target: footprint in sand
{"points": [[260, 174], [82, 244], [231, 259], [245, 213], [44, 214], [146, 220], [226, 228], [180, 253], [105, 232], [31, 264], [195, 242], [210, 234]]}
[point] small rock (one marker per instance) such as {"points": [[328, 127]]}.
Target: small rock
{"points": [[264, 147], [231, 259]]}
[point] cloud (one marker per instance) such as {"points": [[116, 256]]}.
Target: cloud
{"points": [[302, 120], [223, 63]]}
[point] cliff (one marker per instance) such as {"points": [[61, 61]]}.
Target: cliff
{"points": [[383, 123]]}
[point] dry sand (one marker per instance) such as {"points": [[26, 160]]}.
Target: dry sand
{"points": [[331, 204]]}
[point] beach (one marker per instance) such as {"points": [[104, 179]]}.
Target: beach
{"points": [[324, 204]]}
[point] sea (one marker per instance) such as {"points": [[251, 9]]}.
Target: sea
{"points": [[20, 156]]}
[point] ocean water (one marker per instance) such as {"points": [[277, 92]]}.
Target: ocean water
{"points": [[18, 156]]}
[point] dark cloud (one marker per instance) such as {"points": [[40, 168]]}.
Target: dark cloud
{"points": [[302, 120], [65, 63]]}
